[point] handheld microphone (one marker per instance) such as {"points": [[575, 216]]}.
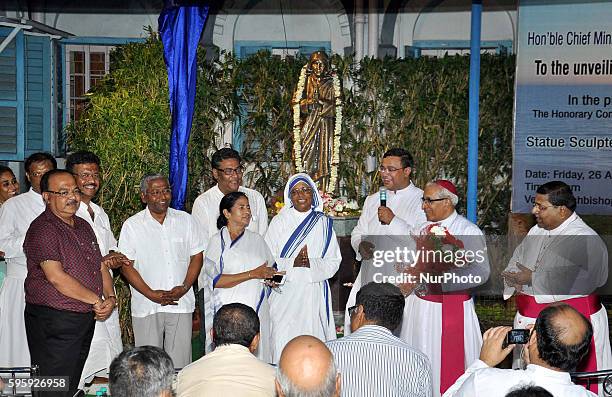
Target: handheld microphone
{"points": [[382, 193]]}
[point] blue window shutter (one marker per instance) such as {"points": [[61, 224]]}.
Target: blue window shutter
{"points": [[307, 50], [247, 51], [37, 94], [11, 97]]}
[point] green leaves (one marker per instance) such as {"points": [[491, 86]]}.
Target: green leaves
{"points": [[127, 124], [420, 104]]}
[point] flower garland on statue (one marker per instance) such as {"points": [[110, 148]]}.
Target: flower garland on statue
{"points": [[297, 130]]}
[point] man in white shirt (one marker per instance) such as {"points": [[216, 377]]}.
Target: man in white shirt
{"points": [[561, 260], [231, 369], [400, 214], [558, 342], [374, 362], [16, 215], [106, 342], [167, 252], [440, 320], [227, 171]]}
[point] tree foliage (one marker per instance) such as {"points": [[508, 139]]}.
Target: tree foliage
{"points": [[420, 104]]}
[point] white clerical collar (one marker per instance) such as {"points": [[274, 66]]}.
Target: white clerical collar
{"points": [[449, 220], [404, 190], [559, 229]]}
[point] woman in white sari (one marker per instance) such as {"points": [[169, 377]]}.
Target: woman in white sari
{"points": [[304, 246], [237, 263], [9, 187]]}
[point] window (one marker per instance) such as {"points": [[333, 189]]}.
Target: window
{"points": [[440, 48], [85, 67]]}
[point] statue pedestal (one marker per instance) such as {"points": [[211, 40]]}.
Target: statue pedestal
{"points": [[344, 225]]}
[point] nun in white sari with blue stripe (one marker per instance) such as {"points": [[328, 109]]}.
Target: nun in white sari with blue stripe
{"points": [[304, 246]]}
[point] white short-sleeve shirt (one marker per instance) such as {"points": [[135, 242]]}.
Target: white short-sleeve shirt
{"points": [[161, 254]]}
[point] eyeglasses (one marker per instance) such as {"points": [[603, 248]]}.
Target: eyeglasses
{"points": [[302, 191], [428, 201], [231, 171], [66, 193], [87, 175], [541, 207], [382, 169], [157, 193], [352, 310]]}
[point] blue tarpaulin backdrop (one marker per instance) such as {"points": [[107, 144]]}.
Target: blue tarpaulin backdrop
{"points": [[180, 28]]}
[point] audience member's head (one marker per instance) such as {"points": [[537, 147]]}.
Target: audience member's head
{"points": [[560, 339], [141, 371], [236, 324], [306, 369], [529, 391], [378, 304]]}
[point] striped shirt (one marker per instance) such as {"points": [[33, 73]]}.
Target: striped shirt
{"points": [[373, 362]]}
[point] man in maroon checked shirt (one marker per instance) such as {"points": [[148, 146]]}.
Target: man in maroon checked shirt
{"points": [[65, 289]]}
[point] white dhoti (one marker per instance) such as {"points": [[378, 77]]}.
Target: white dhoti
{"points": [[14, 350], [106, 344]]}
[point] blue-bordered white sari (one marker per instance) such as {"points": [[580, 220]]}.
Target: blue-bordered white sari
{"points": [[302, 306]]}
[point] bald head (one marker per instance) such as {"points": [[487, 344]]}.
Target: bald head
{"points": [[571, 326], [563, 336], [306, 368]]}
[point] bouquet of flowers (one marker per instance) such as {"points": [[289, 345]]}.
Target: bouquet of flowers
{"points": [[436, 247], [435, 252]]}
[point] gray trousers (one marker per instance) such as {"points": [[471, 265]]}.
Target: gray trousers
{"points": [[170, 331]]}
